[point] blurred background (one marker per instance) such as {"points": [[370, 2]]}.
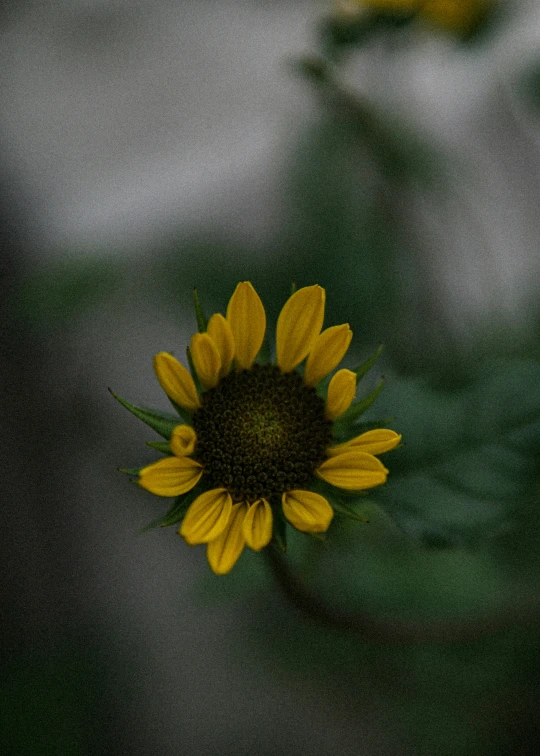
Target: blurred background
{"points": [[150, 147]]}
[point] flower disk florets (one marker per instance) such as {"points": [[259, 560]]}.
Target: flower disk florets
{"points": [[261, 433]]}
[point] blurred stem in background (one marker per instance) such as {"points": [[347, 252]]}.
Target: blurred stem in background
{"points": [[395, 630]]}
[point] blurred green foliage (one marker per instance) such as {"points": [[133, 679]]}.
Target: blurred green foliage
{"points": [[60, 293], [57, 696]]}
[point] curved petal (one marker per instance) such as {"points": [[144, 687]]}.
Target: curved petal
{"points": [[328, 351], [341, 392], [257, 527], [299, 323], [176, 381], [307, 511], [247, 319], [206, 359], [353, 471], [223, 552], [171, 476], [375, 441], [207, 517], [183, 440], [220, 332]]}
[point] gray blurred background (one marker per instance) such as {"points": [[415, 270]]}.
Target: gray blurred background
{"points": [[150, 147]]}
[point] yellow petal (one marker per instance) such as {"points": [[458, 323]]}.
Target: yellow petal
{"points": [[299, 323], [220, 332], [341, 392], [373, 442], [223, 552], [171, 476], [206, 359], [183, 439], [207, 517], [307, 511], [176, 381], [257, 527], [247, 319], [353, 471], [328, 351]]}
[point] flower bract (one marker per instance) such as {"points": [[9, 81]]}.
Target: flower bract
{"points": [[258, 444]]}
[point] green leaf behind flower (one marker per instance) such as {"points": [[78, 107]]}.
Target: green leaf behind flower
{"points": [[471, 458]]}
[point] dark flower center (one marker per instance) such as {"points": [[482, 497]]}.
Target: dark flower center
{"points": [[261, 432]]}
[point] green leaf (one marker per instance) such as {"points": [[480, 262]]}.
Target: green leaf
{"points": [[151, 525], [183, 413], [162, 446], [202, 320], [366, 366], [130, 470], [357, 409], [343, 509], [176, 512], [321, 537], [471, 457], [280, 530], [161, 422]]}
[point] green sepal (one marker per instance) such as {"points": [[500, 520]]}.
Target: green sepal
{"points": [[181, 505], [162, 446], [202, 320], [294, 288], [151, 525], [130, 470], [183, 413], [176, 512], [279, 532], [366, 366], [161, 422], [342, 509], [357, 409], [321, 537]]}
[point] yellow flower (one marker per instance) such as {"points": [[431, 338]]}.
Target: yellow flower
{"points": [[260, 435], [457, 16]]}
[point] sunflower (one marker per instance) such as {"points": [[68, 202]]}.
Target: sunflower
{"points": [[258, 437]]}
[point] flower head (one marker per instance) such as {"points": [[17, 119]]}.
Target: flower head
{"points": [[260, 445], [459, 17]]}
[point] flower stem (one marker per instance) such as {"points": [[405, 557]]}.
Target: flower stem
{"points": [[391, 629]]}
